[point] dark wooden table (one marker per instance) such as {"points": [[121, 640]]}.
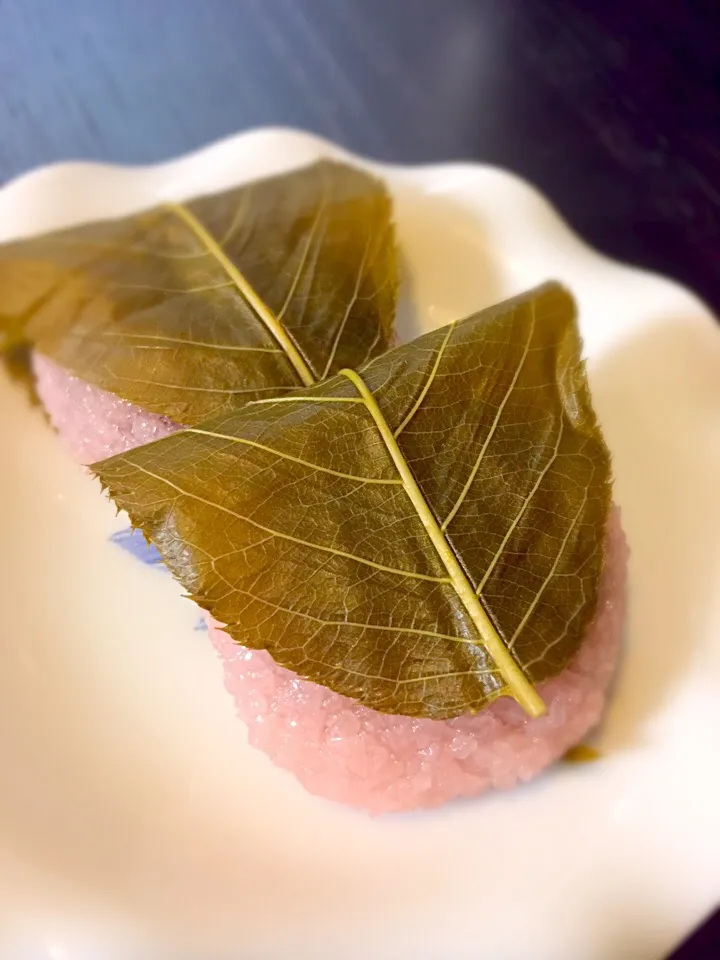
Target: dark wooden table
{"points": [[612, 108]]}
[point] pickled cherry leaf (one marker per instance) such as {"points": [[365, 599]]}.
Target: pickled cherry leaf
{"points": [[424, 535], [191, 309]]}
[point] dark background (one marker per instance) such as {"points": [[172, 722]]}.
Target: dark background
{"points": [[611, 108]]}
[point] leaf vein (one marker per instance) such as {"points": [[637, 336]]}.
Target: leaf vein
{"points": [[180, 386], [346, 315], [418, 403], [287, 456], [286, 536], [351, 624], [311, 237], [473, 473], [521, 512], [548, 578], [188, 343]]}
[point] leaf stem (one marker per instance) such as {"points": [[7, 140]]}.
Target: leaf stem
{"points": [[262, 310], [518, 684]]}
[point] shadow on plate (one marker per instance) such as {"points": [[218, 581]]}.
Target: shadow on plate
{"points": [[658, 397], [454, 271]]}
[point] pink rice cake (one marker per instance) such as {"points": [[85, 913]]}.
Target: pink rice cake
{"points": [[92, 423], [342, 750], [336, 747]]}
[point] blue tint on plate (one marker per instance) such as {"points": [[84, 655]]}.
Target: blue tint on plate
{"points": [[134, 543]]}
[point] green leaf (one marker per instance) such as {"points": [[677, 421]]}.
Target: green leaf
{"points": [[190, 310], [423, 536]]}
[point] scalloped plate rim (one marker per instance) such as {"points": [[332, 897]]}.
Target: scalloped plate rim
{"points": [[420, 173]]}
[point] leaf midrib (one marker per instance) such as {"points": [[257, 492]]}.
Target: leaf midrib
{"points": [[246, 290], [518, 684]]}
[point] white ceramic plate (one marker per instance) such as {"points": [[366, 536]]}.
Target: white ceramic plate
{"points": [[134, 819]]}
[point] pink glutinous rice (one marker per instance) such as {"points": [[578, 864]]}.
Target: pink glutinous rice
{"points": [[93, 424], [336, 747]]}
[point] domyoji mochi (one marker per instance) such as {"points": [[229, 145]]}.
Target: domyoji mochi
{"points": [[336, 747]]}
